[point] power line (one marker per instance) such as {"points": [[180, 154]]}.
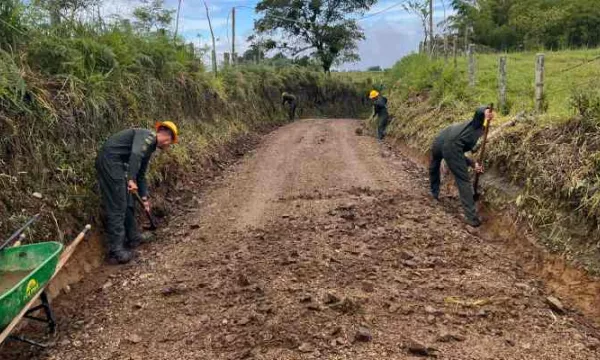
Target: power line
{"points": [[381, 11]]}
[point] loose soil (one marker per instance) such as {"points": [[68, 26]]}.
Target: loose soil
{"points": [[321, 244]]}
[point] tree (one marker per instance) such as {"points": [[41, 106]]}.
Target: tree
{"points": [[374, 68], [65, 9], [326, 28], [421, 9], [152, 15]]}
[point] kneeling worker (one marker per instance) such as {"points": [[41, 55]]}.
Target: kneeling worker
{"points": [[451, 145], [121, 168], [290, 99]]}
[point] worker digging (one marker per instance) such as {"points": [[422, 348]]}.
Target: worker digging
{"points": [[451, 145], [121, 169], [292, 103], [380, 111]]}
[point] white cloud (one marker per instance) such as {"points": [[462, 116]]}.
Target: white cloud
{"points": [[200, 24]]}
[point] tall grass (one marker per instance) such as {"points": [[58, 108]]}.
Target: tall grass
{"points": [[552, 158], [65, 89]]}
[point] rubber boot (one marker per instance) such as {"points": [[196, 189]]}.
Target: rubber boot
{"points": [[473, 222], [119, 255]]}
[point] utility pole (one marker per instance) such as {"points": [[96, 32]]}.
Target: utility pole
{"points": [[233, 55], [214, 46], [177, 20], [431, 39]]}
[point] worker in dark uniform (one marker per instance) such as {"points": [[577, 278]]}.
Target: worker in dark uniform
{"points": [[379, 110], [290, 99], [451, 145], [121, 166]]}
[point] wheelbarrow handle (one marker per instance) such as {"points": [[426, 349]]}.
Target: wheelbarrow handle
{"points": [[18, 232]]}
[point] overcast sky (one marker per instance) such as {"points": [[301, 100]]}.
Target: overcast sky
{"points": [[390, 34]]}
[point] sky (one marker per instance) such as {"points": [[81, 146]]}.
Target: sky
{"points": [[391, 32]]}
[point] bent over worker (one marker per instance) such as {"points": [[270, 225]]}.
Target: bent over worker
{"points": [[290, 99], [451, 145], [121, 168], [379, 110]]}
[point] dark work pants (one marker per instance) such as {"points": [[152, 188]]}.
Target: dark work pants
{"points": [[381, 126], [292, 111], [120, 225], [457, 163]]}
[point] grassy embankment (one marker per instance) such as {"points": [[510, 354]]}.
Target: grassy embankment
{"points": [[551, 160], [64, 90]]}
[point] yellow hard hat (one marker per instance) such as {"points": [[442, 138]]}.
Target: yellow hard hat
{"points": [[171, 126], [373, 94]]}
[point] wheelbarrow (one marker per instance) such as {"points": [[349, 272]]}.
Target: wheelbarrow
{"points": [[25, 272]]}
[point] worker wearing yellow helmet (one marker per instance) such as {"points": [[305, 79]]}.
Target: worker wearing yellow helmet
{"points": [[121, 167], [379, 110]]}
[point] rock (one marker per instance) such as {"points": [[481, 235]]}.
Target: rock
{"points": [[244, 321], [510, 342], [65, 342], [138, 305], [336, 330], [409, 263], [107, 285], [363, 335], [306, 348], [368, 287], [358, 131], [431, 310], [306, 298], [406, 255], [448, 337], [204, 318], [230, 338], [418, 348], [331, 298], [134, 338], [195, 226], [37, 195], [243, 280], [593, 344], [77, 343], [314, 307], [173, 290], [555, 305]]}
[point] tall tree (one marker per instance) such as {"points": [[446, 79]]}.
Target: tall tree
{"points": [[327, 28]]}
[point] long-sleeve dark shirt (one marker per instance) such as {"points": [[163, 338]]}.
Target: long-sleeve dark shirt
{"points": [[133, 147], [380, 107]]}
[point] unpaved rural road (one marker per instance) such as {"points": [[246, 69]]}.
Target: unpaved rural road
{"points": [[318, 245]]}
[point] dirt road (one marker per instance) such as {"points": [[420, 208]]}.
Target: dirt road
{"points": [[318, 245]]}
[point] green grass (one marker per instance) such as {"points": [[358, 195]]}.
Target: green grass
{"points": [[553, 158], [559, 82]]}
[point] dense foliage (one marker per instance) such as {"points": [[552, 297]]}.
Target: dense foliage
{"points": [[529, 24]]}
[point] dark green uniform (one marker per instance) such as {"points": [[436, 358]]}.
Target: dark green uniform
{"points": [[291, 101], [451, 145], [380, 110], [123, 157]]}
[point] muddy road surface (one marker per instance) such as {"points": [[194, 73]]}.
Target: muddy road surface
{"points": [[320, 244]]}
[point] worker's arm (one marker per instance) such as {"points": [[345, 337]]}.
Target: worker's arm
{"points": [[139, 148], [141, 178]]}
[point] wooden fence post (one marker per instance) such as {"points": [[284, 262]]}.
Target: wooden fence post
{"points": [[502, 85], [454, 50], [471, 54], [539, 83]]}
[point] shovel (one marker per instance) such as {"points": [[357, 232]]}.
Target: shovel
{"points": [[152, 226], [476, 194]]}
